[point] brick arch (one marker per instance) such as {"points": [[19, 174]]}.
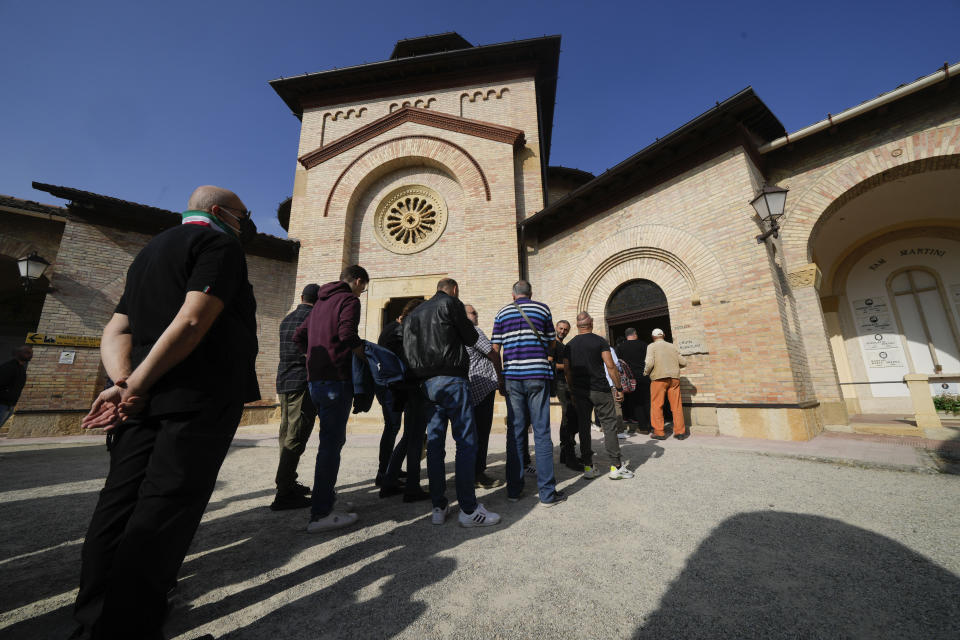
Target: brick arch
{"points": [[14, 247], [403, 151], [678, 262], [931, 150]]}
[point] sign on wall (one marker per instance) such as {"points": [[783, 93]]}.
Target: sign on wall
{"points": [[62, 340], [691, 341], [879, 339]]}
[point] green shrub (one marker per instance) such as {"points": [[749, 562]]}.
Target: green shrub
{"points": [[948, 402]]}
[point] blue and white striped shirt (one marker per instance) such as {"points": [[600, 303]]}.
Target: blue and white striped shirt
{"points": [[524, 356]]}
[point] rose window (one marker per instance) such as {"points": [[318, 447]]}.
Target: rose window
{"points": [[410, 219]]}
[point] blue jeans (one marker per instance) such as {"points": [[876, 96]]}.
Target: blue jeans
{"points": [[333, 399], [449, 400], [529, 404]]}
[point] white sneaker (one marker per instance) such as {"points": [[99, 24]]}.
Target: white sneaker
{"points": [[590, 472], [479, 518], [622, 436], [621, 472], [440, 515], [595, 426], [333, 520]]}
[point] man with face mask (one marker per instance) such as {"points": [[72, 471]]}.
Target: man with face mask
{"points": [[13, 376], [181, 347]]}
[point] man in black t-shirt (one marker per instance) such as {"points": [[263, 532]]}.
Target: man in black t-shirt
{"points": [[181, 348], [636, 405], [568, 414], [586, 364]]}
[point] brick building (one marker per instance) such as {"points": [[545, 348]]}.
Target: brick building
{"points": [[436, 163], [90, 244]]}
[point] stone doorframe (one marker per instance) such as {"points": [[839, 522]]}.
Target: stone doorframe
{"points": [[381, 290]]}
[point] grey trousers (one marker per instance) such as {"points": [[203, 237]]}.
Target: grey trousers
{"points": [[297, 416], [603, 402]]}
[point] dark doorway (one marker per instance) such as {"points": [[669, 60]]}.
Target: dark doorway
{"points": [[640, 304], [392, 311]]}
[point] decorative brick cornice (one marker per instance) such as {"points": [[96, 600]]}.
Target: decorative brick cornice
{"points": [[473, 161], [495, 132]]}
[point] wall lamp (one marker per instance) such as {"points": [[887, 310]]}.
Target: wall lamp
{"points": [[769, 204], [31, 269]]}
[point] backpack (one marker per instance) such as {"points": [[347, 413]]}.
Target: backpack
{"points": [[627, 381]]}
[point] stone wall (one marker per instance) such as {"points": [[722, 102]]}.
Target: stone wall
{"points": [[693, 236]]}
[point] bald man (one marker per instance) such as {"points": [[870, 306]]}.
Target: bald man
{"points": [[181, 384]]}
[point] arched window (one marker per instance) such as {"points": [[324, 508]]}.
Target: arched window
{"points": [[637, 299], [925, 320]]}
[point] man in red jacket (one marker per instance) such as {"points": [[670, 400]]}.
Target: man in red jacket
{"points": [[329, 338]]}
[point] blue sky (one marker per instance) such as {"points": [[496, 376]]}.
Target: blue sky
{"points": [[144, 101]]}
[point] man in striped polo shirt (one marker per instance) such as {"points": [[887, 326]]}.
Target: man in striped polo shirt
{"points": [[523, 335]]}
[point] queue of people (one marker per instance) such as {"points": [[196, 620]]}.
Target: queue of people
{"points": [[180, 351]]}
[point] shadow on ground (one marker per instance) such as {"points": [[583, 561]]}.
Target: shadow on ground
{"points": [[789, 575], [260, 574]]}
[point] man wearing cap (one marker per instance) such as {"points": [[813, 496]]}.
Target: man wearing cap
{"points": [[297, 413], [662, 365]]}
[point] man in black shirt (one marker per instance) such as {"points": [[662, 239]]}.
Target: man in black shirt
{"points": [[13, 376], [181, 348], [587, 356], [297, 413], [636, 405], [568, 415]]}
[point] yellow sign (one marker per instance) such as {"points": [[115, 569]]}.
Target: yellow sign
{"points": [[62, 341]]}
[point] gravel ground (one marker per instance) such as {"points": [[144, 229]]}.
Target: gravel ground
{"points": [[703, 543]]}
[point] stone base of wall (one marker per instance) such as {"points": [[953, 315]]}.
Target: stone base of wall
{"points": [[37, 425], [260, 415], [834, 413], [771, 424]]}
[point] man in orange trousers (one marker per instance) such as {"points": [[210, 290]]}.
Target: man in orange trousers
{"points": [[663, 364]]}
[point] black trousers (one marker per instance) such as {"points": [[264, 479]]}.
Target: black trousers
{"points": [[636, 405], [568, 420], [410, 445], [483, 416], [162, 473], [391, 427]]}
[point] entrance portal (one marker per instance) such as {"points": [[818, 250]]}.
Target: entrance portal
{"points": [[640, 304], [394, 307]]}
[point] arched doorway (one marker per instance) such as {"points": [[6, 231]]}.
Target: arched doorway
{"points": [[394, 307], [640, 304]]}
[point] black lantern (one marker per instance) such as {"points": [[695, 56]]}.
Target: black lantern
{"points": [[31, 268], [769, 205]]}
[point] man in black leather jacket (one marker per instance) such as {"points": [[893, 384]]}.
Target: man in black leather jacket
{"points": [[435, 337]]}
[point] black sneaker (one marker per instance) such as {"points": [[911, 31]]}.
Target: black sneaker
{"points": [[555, 499], [656, 437], [416, 495], [302, 489], [483, 481], [574, 464], [386, 492], [290, 501], [681, 436]]}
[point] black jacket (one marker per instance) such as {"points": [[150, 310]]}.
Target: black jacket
{"points": [[436, 336]]}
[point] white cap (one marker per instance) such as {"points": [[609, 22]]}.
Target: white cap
{"points": [[657, 333]]}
